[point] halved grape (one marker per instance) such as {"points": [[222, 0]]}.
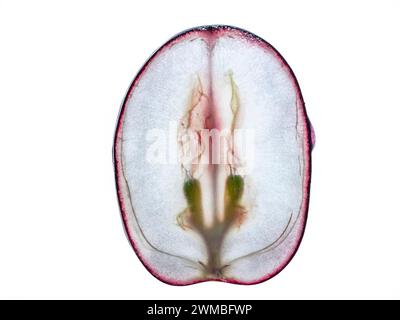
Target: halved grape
{"points": [[213, 159]]}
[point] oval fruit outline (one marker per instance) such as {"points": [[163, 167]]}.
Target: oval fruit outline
{"points": [[212, 157]]}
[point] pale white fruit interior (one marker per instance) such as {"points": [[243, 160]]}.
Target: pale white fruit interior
{"points": [[273, 188]]}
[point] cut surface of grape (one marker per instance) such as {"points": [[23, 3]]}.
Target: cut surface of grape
{"points": [[212, 159]]}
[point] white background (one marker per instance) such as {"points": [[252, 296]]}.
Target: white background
{"points": [[64, 69]]}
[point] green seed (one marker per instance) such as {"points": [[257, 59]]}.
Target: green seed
{"points": [[234, 188], [192, 191]]}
